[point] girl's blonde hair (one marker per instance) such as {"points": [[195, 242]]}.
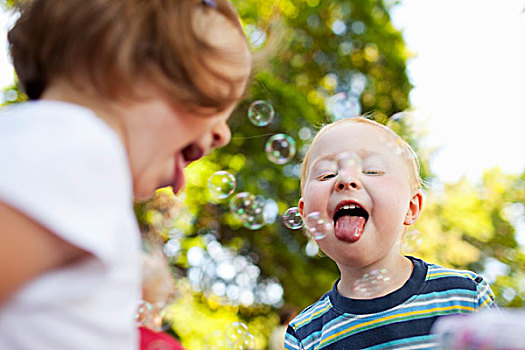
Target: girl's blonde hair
{"points": [[111, 43], [407, 152]]}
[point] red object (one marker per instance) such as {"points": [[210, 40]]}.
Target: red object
{"points": [[151, 340]]}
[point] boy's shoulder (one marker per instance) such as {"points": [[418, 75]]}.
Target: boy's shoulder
{"points": [[436, 271], [446, 280], [312, 312]]}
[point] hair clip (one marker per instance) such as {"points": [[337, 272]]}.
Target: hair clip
{"points": [[210, 3]]}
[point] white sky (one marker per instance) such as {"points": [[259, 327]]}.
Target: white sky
{"points": [[469, 78]]}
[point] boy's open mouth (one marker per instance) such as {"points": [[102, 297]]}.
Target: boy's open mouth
{"points": [[349, 222]]}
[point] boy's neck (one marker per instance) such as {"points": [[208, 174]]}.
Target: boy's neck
{"points": [[378, 279]]}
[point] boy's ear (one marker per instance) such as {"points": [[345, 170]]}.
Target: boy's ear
{"points": [[414, 208], [301, 205]]}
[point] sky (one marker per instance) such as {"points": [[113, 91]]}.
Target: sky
{"points": [[468, 72], [469, 81]]}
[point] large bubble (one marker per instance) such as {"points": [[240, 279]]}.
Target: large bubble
{"points": [[280, 148], [249, 210], [261, 113], [372, 283], [292, 218], [221, 184], [318, 226]]}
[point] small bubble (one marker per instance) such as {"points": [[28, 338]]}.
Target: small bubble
{"points": [[292, 218], [411, 241], [248, 209], [143, 311], [318, 225], [280, 148], [261, 113], [235, 332], [372, 283], [221, 184]]}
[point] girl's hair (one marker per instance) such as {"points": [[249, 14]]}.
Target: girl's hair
{"points": [[112, 43], [406, 150]]}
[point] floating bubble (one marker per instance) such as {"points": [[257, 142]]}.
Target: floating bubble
{"points": [[292, 218], [280, 148], [143, 311], [238, 336], [318, 225], [247, 343], [411, 242], [261, 113], [158, 319], [372, 283], [221, 184], [248, 209]]}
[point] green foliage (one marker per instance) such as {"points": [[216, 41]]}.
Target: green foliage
{"points": [[473, 226]]}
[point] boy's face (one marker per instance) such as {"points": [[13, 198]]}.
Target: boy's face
{"points": [[379, 188]]}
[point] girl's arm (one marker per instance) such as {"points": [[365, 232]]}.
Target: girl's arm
{"points": [[28, 250]]}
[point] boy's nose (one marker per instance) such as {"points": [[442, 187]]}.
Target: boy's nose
{"points": [[347, 182]]}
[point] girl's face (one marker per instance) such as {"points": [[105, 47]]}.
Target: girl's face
{"points": [[162, 137], [368, 203]]}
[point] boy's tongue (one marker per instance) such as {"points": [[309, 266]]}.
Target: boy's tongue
{"points": [[349, 228]]}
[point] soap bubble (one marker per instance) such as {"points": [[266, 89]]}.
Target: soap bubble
{"points": [[411, 241], [260, 113], [221, 184], [280, 148], [248, 209], [238, 336], [153, 316], [246, 343], [143, 311], [318, 225], [292, 218], [372, 283]]}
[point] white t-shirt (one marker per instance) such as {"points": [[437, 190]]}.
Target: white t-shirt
{"points": [[66, 169]]}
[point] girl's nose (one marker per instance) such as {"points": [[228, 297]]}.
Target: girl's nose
{"points": [[221, 135]]}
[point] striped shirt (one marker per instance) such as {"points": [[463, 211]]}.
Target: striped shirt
{"points": [[400, 320]]}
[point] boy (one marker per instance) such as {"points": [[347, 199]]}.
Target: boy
{"points": [[370, 199]]}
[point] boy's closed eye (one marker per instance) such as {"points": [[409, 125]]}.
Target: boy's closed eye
{"points": [[326, 176], [374, 172]]}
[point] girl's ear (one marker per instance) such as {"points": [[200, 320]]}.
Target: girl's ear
{"points": [[414, 208], [301, 205]]}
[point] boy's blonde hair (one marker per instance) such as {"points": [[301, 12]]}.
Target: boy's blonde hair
{"points": [[408, 154], [109, 44]]}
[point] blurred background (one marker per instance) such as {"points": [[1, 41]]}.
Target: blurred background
{"points": [[447, 75]]}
